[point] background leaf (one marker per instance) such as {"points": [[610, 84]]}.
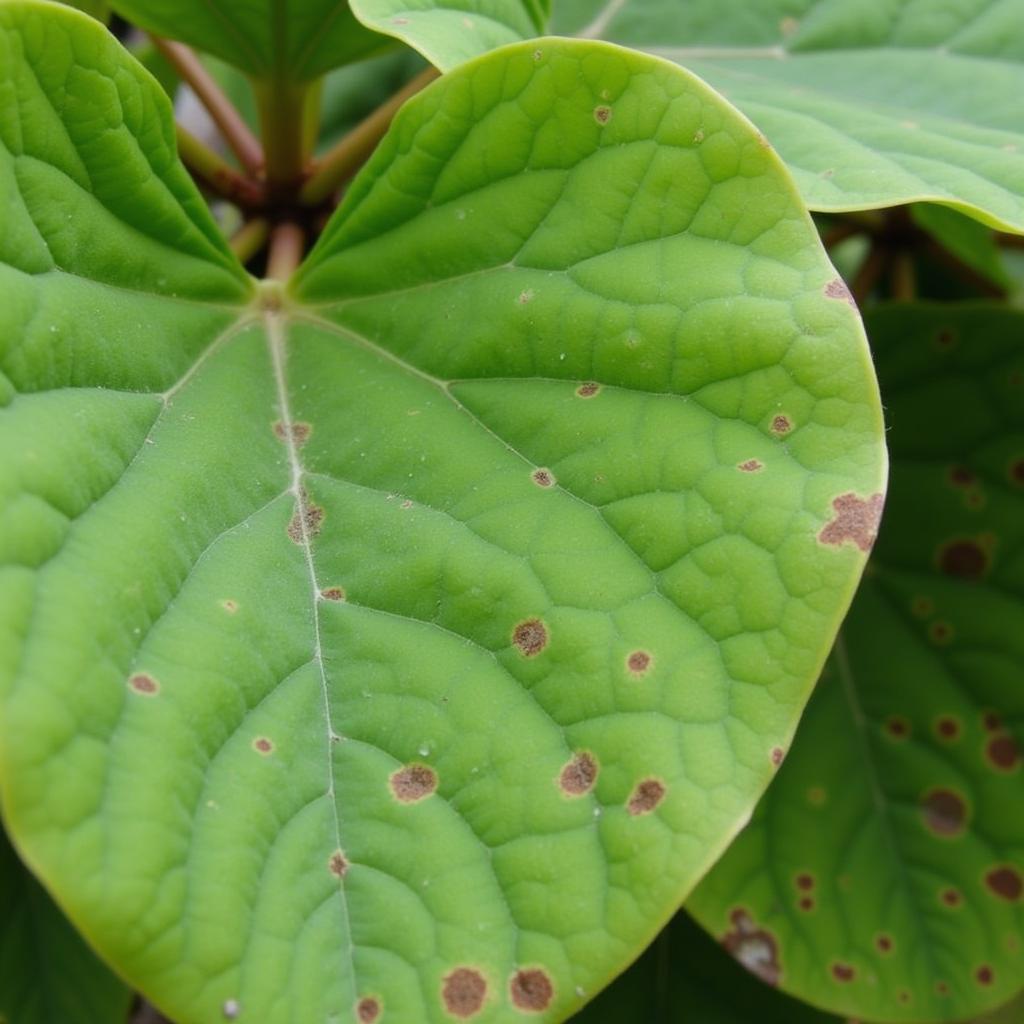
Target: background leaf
{"points": [[884, 867], [342, 667], [268, 39], [449, 32], [870, 102], [47, 973]]}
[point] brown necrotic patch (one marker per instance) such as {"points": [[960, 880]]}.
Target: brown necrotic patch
{"points": [[413, 782], [897, 727], [142, 682], [263, 745], [942, 988], [945, 338], [333, 594], [985, 975], [944, 812], [306, 521], [1006, 882], [638, 662], [751, 466], [947, 728], [856, 520], [531, 990], [298, 432], [463, 992], [836, 289], [883, 943], [755, 948], [1015, 472], [368, 1010], [530, 637], [777, 756], [806, 904], [337, 864], [646, 796], [543, 477], [579, 775], [961, 476], [588, 389], [602, 114], [842, 972], [781, 424], [229, 606], [1003, 752], [804, 881], [940, 632], [951, 898], [963, 559]]}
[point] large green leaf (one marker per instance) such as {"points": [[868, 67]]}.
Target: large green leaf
{"points": [[414, 638], [269, 39], [884, 867], [870, 102], [47, 974], [448, 32]]}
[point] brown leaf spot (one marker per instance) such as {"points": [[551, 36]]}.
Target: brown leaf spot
{"points": [[856, 520], [844, 973], [333, 594], [781, 424], [942, 988], [463, 992], [817, 796], [413, 782], [777, 756], [638, 662], [883, 943], [531, 637], [806, 904], [945, 338], [263, 745], [1003, 752], [588, 389], [944, 812], [755, 948], [940, 633], [964, 559], [229, 606], [306, 521], [602, 114], [531, 990], [922, 607], [951, 897], [961, 476], [804, 881], [1005, 882], [947, 728], [985, 975], [897, 727], [337, 864], [751, 466], [144, 684], [299, 432], [579, 775], [646, 796], [368, 1010], [903, 996], [525, 296], [991, 721], [836, 289], [1016, 472], [543, 477]]}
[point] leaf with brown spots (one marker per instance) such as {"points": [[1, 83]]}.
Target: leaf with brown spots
{"points": [[915, 730]]}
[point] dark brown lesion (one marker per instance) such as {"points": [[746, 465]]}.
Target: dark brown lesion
{"points": [[944, 812], [306, 521], [368, 1010], [646, 796], [579, 775], [755, 948], [530, 637], [463, 992], [531, 990], [414, 782], [856, 520]]}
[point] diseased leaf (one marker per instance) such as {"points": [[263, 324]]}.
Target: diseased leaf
{"points": [[685, 977], [268, 39], [870, 102], [449, 32], [47, 973], [404, 645], [885, 866]]}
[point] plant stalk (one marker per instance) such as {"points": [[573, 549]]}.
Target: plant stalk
{"points": [[346, 157], [250, 238], [283, 120], [287, 242], [215, 172], [225, 115]]}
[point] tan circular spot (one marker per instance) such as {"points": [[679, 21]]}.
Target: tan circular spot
{"points": [[646, 797], [145, 684], [414, 782], [531, 990], [530, 637], [638, 662], [944, 812], [263, 745], [368, 1010], [463, 992], [579, 775]]}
